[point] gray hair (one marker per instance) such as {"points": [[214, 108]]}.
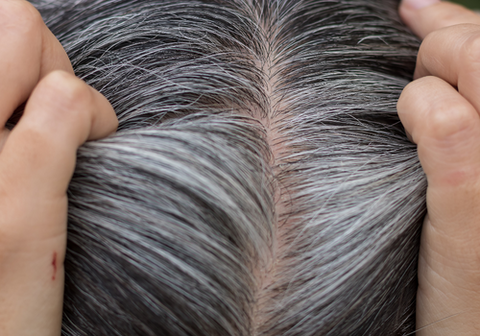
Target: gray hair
{"points": [[260, 182]]}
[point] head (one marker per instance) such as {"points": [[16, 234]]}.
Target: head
{"points": [[260, 182]]}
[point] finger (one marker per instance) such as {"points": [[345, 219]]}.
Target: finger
{"points": [[453, 54], [38, 158], [29, 51], [446, 128], [426, 16]]}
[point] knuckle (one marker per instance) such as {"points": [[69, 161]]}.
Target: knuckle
{"points": [[449, 119], [69, 93], [471, 49], [413, 93], [412, 88], [20, 17], [430, 38], [66, 101], [430, 44], [406, 95], [434, 114]]}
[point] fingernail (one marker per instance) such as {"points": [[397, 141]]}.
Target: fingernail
{"points": [[418, 4]]}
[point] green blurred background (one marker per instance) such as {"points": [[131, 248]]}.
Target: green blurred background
{"points": [[475, 4]]}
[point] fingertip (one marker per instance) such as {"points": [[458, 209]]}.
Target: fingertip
{"points": [[411, 14], [104, 123], [413, 5], [426, 16]]}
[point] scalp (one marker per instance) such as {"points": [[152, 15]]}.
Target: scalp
{"points": [[260, 165]]}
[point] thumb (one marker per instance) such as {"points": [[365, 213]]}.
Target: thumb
{"points": [[38, 157], [36, 164]]}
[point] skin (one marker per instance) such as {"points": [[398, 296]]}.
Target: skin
{"points": [[440, 111], [37, 159]]}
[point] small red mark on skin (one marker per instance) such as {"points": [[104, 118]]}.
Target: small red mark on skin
{"points": [[54, 264]]}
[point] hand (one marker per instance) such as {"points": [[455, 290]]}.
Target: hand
{"points": [[37, 160], [440, 110]]}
